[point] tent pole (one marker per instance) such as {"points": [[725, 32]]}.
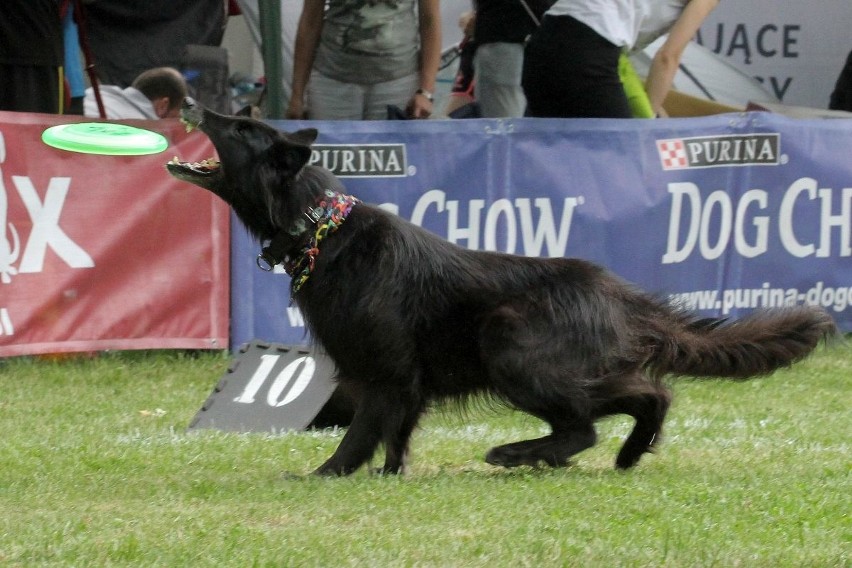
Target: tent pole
{"points": [[270, 33], [80, 19]]}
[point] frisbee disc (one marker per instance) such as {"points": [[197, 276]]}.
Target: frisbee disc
{"points": [[104, 138]]}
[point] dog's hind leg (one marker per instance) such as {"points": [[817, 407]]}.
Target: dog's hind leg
{"points": [[530, 372], [554, 450], [560, 403], [648, 406], [649, 412]]}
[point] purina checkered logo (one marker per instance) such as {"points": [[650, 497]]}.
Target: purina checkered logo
{"points": [[718, 151], [672, 154]]}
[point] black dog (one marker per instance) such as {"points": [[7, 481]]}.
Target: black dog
{"points": [[409, 318]]}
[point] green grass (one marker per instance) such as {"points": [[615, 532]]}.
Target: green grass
{"points": [[97, 469]]}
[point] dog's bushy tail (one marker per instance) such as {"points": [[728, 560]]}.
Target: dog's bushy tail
{"points": [[755, 345]]}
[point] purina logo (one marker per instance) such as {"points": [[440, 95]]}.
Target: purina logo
{"points": [[361, 160], [719, 151]]}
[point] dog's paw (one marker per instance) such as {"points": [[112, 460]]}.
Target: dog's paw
{"points": [[333, 469], [514, 455], [632, 452], [506, 456], [629, 457], [623, 464], [401, 470], [324, 471]]}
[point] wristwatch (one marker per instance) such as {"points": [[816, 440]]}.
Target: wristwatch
{"points": [[429, 96]]}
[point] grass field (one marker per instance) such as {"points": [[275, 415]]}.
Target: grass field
{"points": [[97, 469]]}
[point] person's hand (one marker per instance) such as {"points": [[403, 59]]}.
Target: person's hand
{"points": [[420, 106], [296, 110], [467, 21]]}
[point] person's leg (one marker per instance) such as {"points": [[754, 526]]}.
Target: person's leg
{"points": [[31, 88], [498, 79], [334, 100]]}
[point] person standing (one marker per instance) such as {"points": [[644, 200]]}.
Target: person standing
{"points": [[31, 56], [462, 91], [500, 30], [572, 61], [353, 59], [127, 38], [73, 69]]}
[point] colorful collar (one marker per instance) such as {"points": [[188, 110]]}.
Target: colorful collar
{"points": [[329, 214]]}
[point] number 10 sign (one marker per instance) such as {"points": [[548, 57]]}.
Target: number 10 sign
{"points": [[269, 388]]}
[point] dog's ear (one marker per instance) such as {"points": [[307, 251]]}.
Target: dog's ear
{"points": [[291, 156], [294, 148], [306, 136], [250, 111]]}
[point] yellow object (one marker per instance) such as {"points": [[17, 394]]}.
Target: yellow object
{"points": [[634, 88]]}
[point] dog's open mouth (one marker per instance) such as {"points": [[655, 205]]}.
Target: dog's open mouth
{"points": [[206, 173], [203, 168]]}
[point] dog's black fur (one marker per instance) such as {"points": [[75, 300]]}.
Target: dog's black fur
{"points": [[409, 318]]}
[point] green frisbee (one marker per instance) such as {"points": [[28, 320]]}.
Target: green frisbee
{"points": [[104, 138]]}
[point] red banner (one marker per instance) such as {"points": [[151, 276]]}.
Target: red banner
{"points": [[107, 252]]}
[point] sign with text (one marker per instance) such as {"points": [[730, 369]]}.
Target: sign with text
{"points": [[723, 214], [107, 252], [269, 388], [795, 49]]}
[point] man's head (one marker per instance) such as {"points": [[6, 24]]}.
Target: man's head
{"points": [[165, 87]]}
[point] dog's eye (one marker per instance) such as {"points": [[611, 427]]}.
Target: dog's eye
{"points": [[242, 129]]}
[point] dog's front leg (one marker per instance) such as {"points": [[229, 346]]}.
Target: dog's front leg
{"points": [[399, 423], [361, 439]]}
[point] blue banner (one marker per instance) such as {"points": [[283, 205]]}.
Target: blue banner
{"points": [[722, 214]]}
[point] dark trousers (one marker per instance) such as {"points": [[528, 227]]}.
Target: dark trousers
{"points": [[31, 88], [571, 71]]}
